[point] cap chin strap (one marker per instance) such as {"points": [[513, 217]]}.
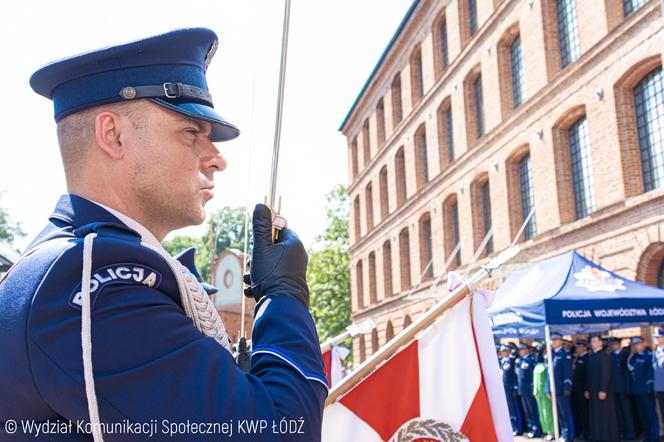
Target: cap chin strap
{"points": [[167, 90], [196, 303]]}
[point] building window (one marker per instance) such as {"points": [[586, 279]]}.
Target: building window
{"points": [[363, 349], [630, 6], [400, 168], [365, 142], [421, 159], [441, 46], [479, 106], [387, 268], [581, 165], [380, 122], [389, 331], [485, 197], [416, 77], [373, 297], [356, 217], [374, 341], [451, 229], [649, 111], [516, 72], [445, 134], [472, 16], [369, 207], [360, 285], [384, 203], [527, 196], [407, 321], [353, 154], [426, 248], [404, 257], [568, 31], [397, 111]]}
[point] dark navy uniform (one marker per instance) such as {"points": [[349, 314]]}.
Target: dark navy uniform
{"points": [[642, 388], [524, 373], [579, 401], [507, 366], [562, 374], [620, 381], [100, 325]]}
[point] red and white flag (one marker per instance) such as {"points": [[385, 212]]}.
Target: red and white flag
{"points": [[333, 359], [445, 385]]}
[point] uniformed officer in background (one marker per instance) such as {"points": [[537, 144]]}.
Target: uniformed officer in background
{"points": [[562, 374], [620, 382], [658, 367], [525, 364], [540, 385], [602, 425], [579, 401], [507, 367], [99, 323], [639, 364]]}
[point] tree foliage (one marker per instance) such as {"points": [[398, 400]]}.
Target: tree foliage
{"points": [[328, 273], [225, 229], [9, 230]]}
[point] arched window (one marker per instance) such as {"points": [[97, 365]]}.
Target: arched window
{"points": [[568, 31], [369, 207], [353, 156], [516, 72], [400, 170], [416, 75], [356, 217], [451, 229], [426, 247], [375, 345], [404, 257], [581, 167], [474, 102], [407, 321], [527, 194], [397, 110], [384, 203], [649, 111], [373, 298], [389, 331], [630, 6], [441, 51], [380, 122], [421, 157], [360, 285], [366, 142], [387, 268], [363, 349], [481, 196], [445, 133]]}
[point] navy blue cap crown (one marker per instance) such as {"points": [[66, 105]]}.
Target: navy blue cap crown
{"points": [[168, 69]]}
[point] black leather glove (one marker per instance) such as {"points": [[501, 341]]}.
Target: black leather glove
{"points": [[277, 268], [243, 358]]}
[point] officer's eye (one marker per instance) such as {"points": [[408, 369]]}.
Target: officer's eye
{"points": [[191, 130]]}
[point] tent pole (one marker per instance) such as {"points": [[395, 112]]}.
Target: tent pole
{"points": [[552, 381]]}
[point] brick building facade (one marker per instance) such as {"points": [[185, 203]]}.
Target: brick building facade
{"points": [[479, 110]]}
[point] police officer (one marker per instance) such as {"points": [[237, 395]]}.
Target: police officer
{"points": [[639, 364], [658, 367], [562, 373], [579, 401], [507, 366], [620, 381], [100, 324], [525, 364]]}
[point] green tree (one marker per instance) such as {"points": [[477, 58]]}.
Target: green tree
{"points": [[328, 273], [225, 229], [9, 231]]}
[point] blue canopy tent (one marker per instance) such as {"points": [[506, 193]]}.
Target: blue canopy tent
{"points": [[573, 295]]}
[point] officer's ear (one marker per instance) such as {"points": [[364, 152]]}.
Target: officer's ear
{"points": [[108, 134]]}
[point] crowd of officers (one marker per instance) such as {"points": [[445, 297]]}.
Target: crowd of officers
{"points": [[605, 391]]}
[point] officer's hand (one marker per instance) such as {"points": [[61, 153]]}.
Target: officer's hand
{"points": [[586, 394], [601, 395], [276, 268]]}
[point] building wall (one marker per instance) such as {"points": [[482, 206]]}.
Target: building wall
{"points": [[624, 233]]}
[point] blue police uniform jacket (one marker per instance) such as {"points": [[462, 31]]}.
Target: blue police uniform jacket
{"points": [[658, 368], [641, 373], [524, 375], [507, 366], [150, 361], [562, 371], [619, 372]]}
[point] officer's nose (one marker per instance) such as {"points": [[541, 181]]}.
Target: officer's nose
{"points": [[213, 161]]}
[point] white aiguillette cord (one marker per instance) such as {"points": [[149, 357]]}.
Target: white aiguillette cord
{"points": [[197, 305]]}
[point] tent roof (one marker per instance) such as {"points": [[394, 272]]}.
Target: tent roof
{"points": [[572, 292]]}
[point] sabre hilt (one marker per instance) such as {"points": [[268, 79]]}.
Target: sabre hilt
{"points": [[278, 221]]}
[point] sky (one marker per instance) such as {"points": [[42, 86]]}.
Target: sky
{"points": [[333, 46]]}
